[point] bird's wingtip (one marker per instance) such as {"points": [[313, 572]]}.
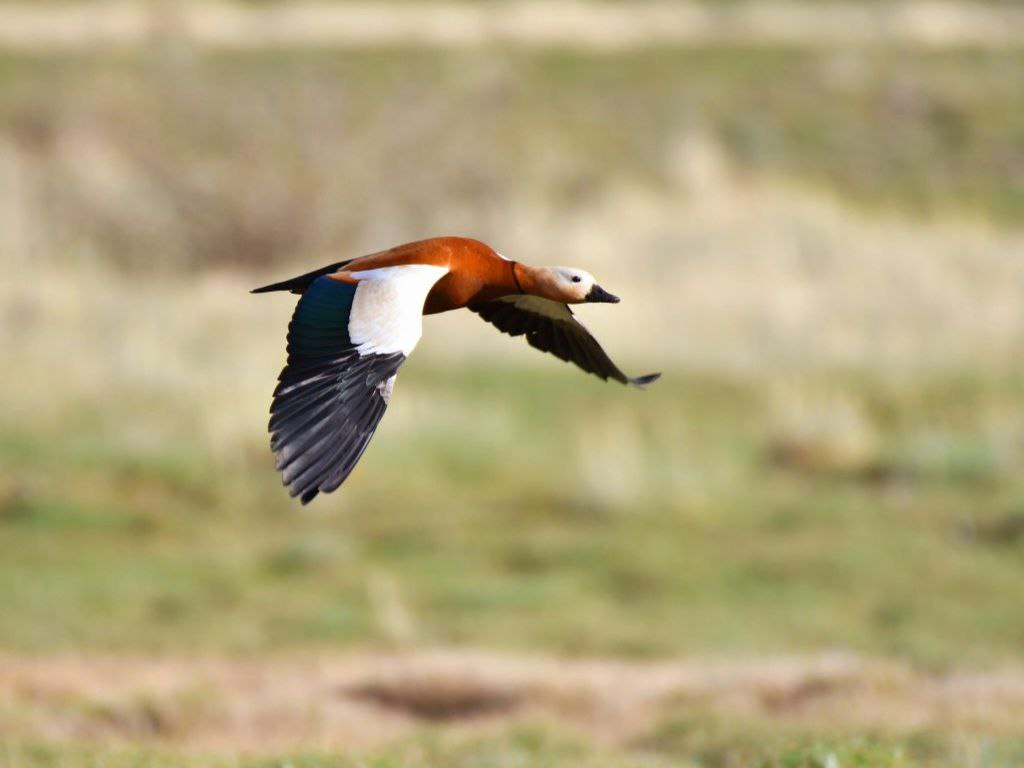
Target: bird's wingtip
{"points": [[642, 381]]}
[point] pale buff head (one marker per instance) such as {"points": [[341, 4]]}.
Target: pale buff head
{"points": [[569, 285]]}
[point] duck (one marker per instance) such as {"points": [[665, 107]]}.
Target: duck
{"points": [[357, 321]]}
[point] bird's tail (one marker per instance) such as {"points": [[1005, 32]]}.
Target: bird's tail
{"points": [[301, 283]]}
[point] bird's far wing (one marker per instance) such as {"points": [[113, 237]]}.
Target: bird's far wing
{"points": [[550, 326], [302, 282], [346, 342]]}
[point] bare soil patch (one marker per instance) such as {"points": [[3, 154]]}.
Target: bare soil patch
{"points": [[365, 699]]}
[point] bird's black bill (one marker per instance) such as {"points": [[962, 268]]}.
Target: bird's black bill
{"points": [[599, 294]]}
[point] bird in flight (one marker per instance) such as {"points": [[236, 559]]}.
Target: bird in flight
{"points": [[358, 320]]}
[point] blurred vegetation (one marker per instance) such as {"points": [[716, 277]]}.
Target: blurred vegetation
{"points": [[723, 511], [707, 744], [182, 159], [704, 515]]}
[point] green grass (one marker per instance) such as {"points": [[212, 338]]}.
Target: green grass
{"points": [[735, 743], [565, 515], [527, 510], [689, 744]]}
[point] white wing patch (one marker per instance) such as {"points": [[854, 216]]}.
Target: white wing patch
{"points": [[385, 388], [387, 310]]}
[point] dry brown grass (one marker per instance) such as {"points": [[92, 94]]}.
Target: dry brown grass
{"points": [[739, 275], [361, 700], [531, 23]]}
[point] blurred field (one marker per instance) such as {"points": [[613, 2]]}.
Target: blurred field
{"points": [[802, 547], [534, 24], [461, 708], [810, 505]]}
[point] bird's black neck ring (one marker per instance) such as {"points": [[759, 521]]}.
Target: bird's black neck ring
{"points": [[516, 278]]}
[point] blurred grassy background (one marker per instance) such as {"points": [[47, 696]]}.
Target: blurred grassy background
{"points": [[820, 248]]}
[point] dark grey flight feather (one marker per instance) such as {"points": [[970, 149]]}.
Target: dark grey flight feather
{"points": [[329, 398], [550, 326], [302, 282]]}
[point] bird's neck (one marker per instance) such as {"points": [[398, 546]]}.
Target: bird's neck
{"points": [[537, 281]]}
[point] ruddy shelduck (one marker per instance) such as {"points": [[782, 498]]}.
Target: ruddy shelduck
{"points": [[358, 320]]}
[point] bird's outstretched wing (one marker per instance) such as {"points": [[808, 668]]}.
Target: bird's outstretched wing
{"points": [[550, 326], [346, 342]]}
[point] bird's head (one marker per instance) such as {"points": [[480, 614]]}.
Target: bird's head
{"points": [[573, 286]]}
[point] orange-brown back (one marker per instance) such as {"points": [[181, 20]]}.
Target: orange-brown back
{"points": [[475, 271]]}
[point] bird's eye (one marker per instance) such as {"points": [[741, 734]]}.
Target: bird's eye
{"points": [[575, 278]]}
